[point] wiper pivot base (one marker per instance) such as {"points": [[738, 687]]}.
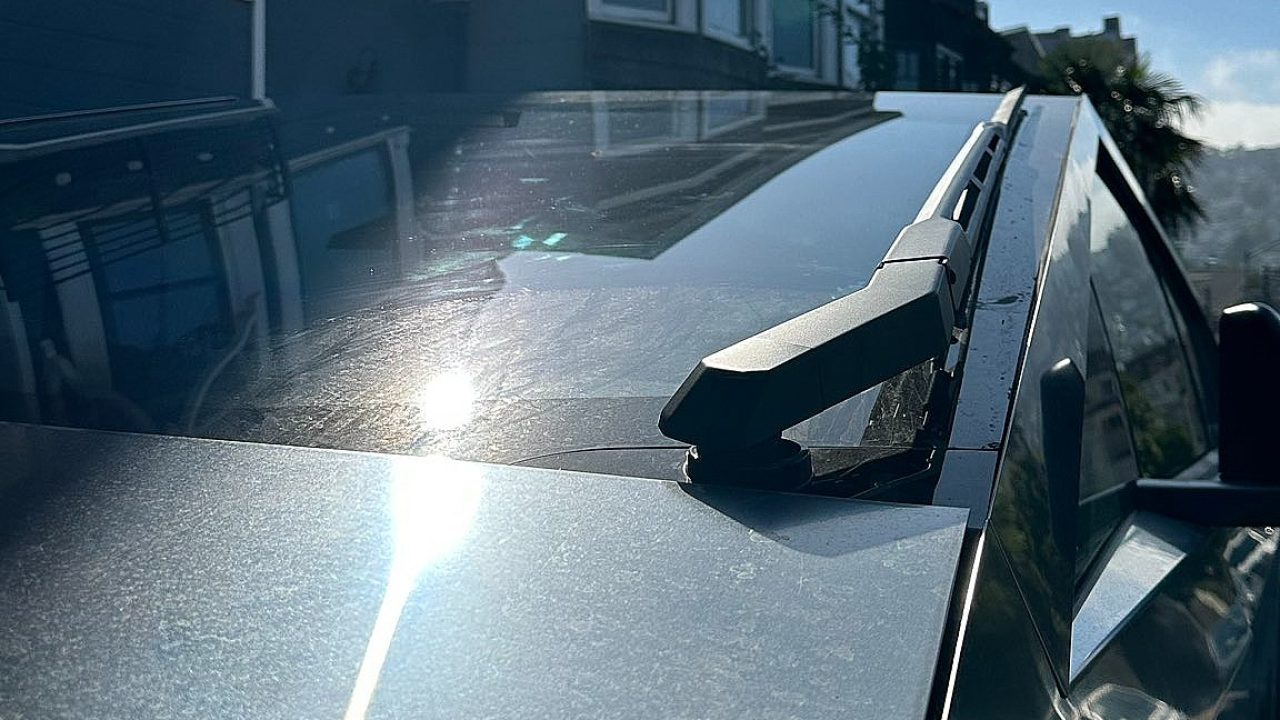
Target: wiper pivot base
{"points": [[776, 464]]}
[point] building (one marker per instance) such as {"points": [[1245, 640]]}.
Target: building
{"points": [[515, 45], [1110, 33], [1030, 47], [282, 223], [318, 133], [946, 45], [64, 57]]}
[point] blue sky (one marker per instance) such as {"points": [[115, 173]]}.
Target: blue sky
{"points": [[1228, 51]]}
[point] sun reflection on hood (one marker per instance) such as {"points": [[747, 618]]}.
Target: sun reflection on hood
{"points": [[433, 503]]}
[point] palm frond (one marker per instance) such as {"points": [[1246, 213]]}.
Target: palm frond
{"points": [[1143, 111]]}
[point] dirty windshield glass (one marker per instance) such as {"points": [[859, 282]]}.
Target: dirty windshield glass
{"points": [[410, 230]]}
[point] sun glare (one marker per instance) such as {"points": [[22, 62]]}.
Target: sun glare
{"points": [[447, 401]]}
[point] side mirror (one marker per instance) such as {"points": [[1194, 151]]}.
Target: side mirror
{"points": [[1249, 392], [1062, 399], [1248, 491]]}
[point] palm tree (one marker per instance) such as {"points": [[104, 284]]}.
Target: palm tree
{"points": [[1142, 110]]}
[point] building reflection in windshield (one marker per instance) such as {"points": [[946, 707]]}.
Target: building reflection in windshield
{"points": [[160, 267]]}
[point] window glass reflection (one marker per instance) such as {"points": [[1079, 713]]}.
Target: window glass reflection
{"points": [[1108, 453], [1149, 352], [731, 17], [793, 33], [344, 220], [1108, 461], [468, 276]]}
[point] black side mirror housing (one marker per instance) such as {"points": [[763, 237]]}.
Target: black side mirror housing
{"points": [[1248, 491], [1249, 392]]}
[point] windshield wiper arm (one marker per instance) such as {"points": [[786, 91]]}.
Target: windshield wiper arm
{"points": [[736, 403]]}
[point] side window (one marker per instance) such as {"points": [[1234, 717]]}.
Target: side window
{"points": [[1160, 396], [1107, 463]]}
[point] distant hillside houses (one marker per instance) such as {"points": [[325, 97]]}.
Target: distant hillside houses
{"points": [[1234, 254], [1030, 47]]}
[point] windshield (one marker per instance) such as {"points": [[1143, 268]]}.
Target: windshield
{"points": [[429, 256]]}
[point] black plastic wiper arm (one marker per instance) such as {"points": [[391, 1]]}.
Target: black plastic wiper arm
{"points": [[736, 403]]}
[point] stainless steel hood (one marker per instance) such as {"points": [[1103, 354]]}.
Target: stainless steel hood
{"points": [[146, 576]]}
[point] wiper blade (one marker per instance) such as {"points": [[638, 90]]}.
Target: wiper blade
{"points": [[736, 403]]}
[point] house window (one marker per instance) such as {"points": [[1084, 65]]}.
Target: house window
{"points": [[948, 70], [659, 10], [162, 287], [908, 70], [344, 222], [729, 17], [795, 30]]}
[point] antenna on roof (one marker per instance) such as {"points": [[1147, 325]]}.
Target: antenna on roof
{"points": [[735, 405]]}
